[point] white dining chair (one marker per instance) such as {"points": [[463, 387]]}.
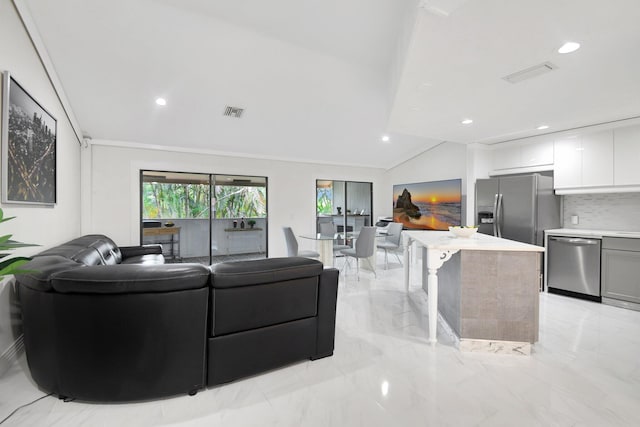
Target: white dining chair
{"points": [[391, 242], [292, 245], [365, 248]]}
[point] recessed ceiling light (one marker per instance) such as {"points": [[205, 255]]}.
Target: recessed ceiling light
{"points": [[467, 121], [161, 101], [569, 47], [542, 127], [385, 138]]}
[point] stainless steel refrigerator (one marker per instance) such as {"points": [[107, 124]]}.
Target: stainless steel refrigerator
{"points": [[518, 207]]}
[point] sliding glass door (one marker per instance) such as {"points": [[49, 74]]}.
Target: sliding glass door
{"points": [[347, 205], [204, 218], [239, 220]]}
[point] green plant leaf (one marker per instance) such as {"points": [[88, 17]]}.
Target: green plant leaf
{"points": [[12, 244], [12, 266]]}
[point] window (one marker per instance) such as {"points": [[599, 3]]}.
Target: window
{"points": [[237, 201], [346, 204], [324, 197], [174, 200], [202, 217]]}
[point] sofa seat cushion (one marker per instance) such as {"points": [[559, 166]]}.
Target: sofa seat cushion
{"points": [[131, 278], [149, 259]]}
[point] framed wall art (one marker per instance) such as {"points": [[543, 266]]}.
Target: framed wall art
{"points": [[28, 147]]}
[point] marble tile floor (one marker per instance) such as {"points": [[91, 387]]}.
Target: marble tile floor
{"points": [[584, 371]]}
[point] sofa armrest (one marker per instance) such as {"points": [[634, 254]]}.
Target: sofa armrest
{"points": [[327, 297], [131, 278], [131, 251]]}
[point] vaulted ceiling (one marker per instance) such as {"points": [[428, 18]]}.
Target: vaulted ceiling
{"points": [[324, 80]]}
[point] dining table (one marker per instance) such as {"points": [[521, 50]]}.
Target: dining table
{"points": [[324, 246]]}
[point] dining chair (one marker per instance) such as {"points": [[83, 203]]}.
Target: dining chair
{"points": [[391, 242], [292, 245], [329, 229], [365, 248]]}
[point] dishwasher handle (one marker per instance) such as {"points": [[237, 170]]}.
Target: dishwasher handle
{"points": [[575, 240]]}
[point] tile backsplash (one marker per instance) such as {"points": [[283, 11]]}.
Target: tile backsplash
{"points": [[618, 211]]}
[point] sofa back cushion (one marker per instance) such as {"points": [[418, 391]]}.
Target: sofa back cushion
{"points": [[87, 256], [108, 251], [131, 278], [92, 249], [253, 294], [41, 269]]}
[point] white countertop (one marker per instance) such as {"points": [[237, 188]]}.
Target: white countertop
{"points": [[574, 232], [445, 240]]}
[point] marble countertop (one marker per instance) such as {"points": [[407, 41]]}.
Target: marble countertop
{"points": [[573, 232], [478, 242]]}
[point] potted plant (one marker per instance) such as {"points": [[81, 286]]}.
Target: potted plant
{"points": [[251, 223], [12, 265]]}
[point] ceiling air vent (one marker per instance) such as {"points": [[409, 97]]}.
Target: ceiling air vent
{"points": [[233, 112], [531, 72]]}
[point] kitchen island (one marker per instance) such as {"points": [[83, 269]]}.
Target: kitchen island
{"points": [[489, 288]]}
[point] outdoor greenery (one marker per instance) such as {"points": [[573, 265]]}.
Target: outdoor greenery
{"points": [[12, 265], [173, 200], [324, 200], [239, 201], [185, 201]]}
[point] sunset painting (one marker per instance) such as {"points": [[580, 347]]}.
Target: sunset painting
{"points": [[434, 205]]}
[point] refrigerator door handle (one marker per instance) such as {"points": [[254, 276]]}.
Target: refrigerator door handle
{"points": [[499, 214], [495, 215]]}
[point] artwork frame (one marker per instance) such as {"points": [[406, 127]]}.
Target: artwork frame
{"points": [[436, 205], [29, 147]]}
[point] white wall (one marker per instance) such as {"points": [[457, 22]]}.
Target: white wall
{"points": [[41, 225], [45, 226], [479, 164], [445, 161], [111, 187]]}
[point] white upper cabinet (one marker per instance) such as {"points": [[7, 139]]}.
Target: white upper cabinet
{"points": [[538, 153], [584, 160], [567, 169], [506, 157], [597, 159], [535, 152], [626, 160]]}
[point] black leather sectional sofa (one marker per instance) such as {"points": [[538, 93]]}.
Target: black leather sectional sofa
{"points": [[103, 323]]}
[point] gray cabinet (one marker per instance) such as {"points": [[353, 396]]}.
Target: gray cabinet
{"points": [[621, 270]]}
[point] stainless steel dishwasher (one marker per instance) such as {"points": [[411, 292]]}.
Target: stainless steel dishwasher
{"points": [[574, 267]]}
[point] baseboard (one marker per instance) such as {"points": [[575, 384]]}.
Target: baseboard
{"points": [[11, 355]]}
